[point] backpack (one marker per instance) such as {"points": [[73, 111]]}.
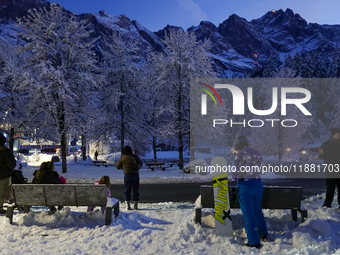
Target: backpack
{"points": [[135, 165], [18, 178]]}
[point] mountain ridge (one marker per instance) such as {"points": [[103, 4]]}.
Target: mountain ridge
{"points": [[273, 36]]}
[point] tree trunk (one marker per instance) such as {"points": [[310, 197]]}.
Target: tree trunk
{"points": [[64, 151], [83, 146], [122, 124], [11, 133], [180, 151], [63, 136], [280, 142], [192, 146], [179, 123], [11, 139], [154, 147]]}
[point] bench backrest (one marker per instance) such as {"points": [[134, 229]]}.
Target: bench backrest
{"points": [[60, 194], [274, 197]]}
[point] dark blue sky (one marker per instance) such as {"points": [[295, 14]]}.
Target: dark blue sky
{"points": [[156, 14]]}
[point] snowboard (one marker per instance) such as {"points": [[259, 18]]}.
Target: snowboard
{"points": [[223, 223]]}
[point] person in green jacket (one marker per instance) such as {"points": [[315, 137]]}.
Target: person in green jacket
{"points": [[130, 163]]}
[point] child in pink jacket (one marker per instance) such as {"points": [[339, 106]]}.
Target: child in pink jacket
{"points": [[104, 180]]}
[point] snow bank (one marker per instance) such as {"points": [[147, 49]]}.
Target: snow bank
{"points": [[165, 228]]}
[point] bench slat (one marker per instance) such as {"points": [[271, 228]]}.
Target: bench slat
{"points": [[91, 195], [28, 195], [273, 197], [60, 194]]}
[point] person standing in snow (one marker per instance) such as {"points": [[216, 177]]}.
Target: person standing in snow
{"points": [[130, 163], [96, 155], [104, 180], [330, 153], [250, 191], [7, 164]]}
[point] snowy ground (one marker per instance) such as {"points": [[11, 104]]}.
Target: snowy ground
{"points": [[163, 228]]}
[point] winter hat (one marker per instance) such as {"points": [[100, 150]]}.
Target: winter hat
{"points": [[240, 140], [334, 130], [3, 139], [127, 150], [48, 165]]}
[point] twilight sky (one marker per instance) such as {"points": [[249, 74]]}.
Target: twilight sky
{"points": [[156, 14]]}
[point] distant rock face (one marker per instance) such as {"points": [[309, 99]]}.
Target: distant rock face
{"points": [[233, 43], [244, 37]]}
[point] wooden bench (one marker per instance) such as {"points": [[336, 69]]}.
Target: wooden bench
{"points": [[153, 165], [28, 195], [273, 198], [150, 160], [98, 162], [174, 161], [203, 150]]}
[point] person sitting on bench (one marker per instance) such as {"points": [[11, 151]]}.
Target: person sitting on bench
{"points": [[104, 180], [47, 175]]}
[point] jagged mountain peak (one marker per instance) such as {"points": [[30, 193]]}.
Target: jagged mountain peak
{"points": [[161, 33], [205, 28], [277, 18]]}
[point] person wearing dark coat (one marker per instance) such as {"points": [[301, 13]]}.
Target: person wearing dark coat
{"points": [[47, 175], [130, 163], [7, 164], [330, 153]]}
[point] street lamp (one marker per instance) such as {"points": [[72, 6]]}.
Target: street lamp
{"points": [[288, 149]]}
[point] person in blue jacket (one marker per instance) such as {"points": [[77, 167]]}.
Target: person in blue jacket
{"points": [[250, 191]]}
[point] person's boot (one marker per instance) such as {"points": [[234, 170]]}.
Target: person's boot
{"points": [[135, 206], [52, 210], [2, 210], [128, 205], [258, 246]]}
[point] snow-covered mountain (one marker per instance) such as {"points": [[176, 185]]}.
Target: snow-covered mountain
{"points": [[234, 42]]}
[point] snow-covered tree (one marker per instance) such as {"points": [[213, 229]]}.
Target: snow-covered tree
{"points": [[297, 65], [319, 65], [62, 64], [271, 70], [154, 115], [288, 63], [184, 58], [13, 98], [335, 67], [122, 96], [308, 68], [273, 136]]}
